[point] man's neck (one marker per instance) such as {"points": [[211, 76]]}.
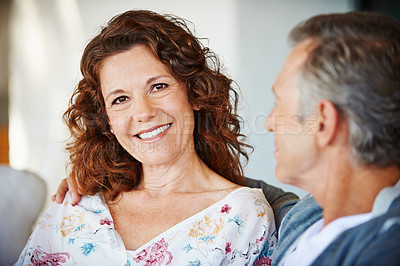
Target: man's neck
{"points": [[352, 189]]}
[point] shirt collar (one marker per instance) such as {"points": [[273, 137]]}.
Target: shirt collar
{"points": [[385, 199]]}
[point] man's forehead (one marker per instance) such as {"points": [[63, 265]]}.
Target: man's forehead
{"points": [[295, 61], [300, 52]]}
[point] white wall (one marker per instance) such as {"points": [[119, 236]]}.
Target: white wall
{"points": [[264, 26], [48, 37]]}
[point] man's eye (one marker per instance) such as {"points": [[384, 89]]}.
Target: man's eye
{"points": [[158, 87], [119, 100]]}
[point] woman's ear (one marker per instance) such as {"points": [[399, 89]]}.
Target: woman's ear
{"points": [[327, 122], [196, 107]]}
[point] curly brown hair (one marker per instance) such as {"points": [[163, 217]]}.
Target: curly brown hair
{"points": [[98, 162]]}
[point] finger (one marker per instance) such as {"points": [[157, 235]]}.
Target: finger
{"points": [[75, 196], [61, 191]]}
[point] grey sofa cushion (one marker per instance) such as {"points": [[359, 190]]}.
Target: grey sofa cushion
{"points": [[22, 195]]}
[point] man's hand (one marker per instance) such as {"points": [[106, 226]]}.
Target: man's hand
{"points": [[65, 186]]}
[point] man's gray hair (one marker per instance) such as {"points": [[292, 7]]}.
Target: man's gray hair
{"points": [[356, 65]]}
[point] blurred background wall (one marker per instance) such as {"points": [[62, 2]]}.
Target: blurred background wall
{"points": [[42, 41], [5, 13]]}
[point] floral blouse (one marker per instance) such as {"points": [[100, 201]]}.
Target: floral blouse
{"points": [[237, 230]]}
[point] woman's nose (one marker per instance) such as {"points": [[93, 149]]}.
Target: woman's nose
{"points": [[143, 109]]}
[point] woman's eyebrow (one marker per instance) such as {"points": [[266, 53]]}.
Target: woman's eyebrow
{"points": [[113, 92], [152, 79]]}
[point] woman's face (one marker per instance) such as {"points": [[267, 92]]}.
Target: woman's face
{"points": [[147, 107]]}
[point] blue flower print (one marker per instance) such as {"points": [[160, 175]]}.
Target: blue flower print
{"points": [[88, 248], [197, 262], [187, 248]]}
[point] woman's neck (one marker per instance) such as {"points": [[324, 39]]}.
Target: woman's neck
{"points": [[187, 173]]}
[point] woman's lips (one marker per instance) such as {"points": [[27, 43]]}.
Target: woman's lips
{"points": [[153, 133]]}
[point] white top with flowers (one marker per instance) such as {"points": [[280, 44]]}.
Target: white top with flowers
{"points": [[237, 230]]}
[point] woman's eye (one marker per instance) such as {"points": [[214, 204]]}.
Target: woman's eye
{"points": [[119, 100], [158, 87]]}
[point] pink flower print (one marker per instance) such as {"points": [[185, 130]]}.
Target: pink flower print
{"points": [[105, 221], [155, 254], [260, 261], [260, 240], [226, 209], [228, 248], [40, 257]]}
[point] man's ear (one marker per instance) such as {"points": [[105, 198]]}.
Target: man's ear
{"points": [[327, 122]]}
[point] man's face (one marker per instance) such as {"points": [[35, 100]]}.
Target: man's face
{"points": [[295, 144]]}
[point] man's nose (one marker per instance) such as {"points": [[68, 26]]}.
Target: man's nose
{"points": [[269, 124]]}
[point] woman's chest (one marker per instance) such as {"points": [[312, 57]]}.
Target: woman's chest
{"points": [[139, 223]]}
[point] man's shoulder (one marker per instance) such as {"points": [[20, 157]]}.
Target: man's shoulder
{"points": [[376, 240], [304, 213], [381, 225]]}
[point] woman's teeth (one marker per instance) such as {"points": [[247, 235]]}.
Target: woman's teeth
{"points": [[155, 132]]}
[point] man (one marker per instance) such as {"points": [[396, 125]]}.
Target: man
{"points": [[337, 135]]}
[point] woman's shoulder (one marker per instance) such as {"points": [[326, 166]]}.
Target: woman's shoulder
{"points": [[95, 204], [72, 232], [65, 217], [247, 195], [248, 221], [88, 204], [246, 202]]}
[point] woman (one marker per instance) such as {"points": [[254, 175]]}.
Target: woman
{"points": [[155, 148]]}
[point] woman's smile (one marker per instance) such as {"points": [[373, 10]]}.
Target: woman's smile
{"points": [[154, 133]]}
